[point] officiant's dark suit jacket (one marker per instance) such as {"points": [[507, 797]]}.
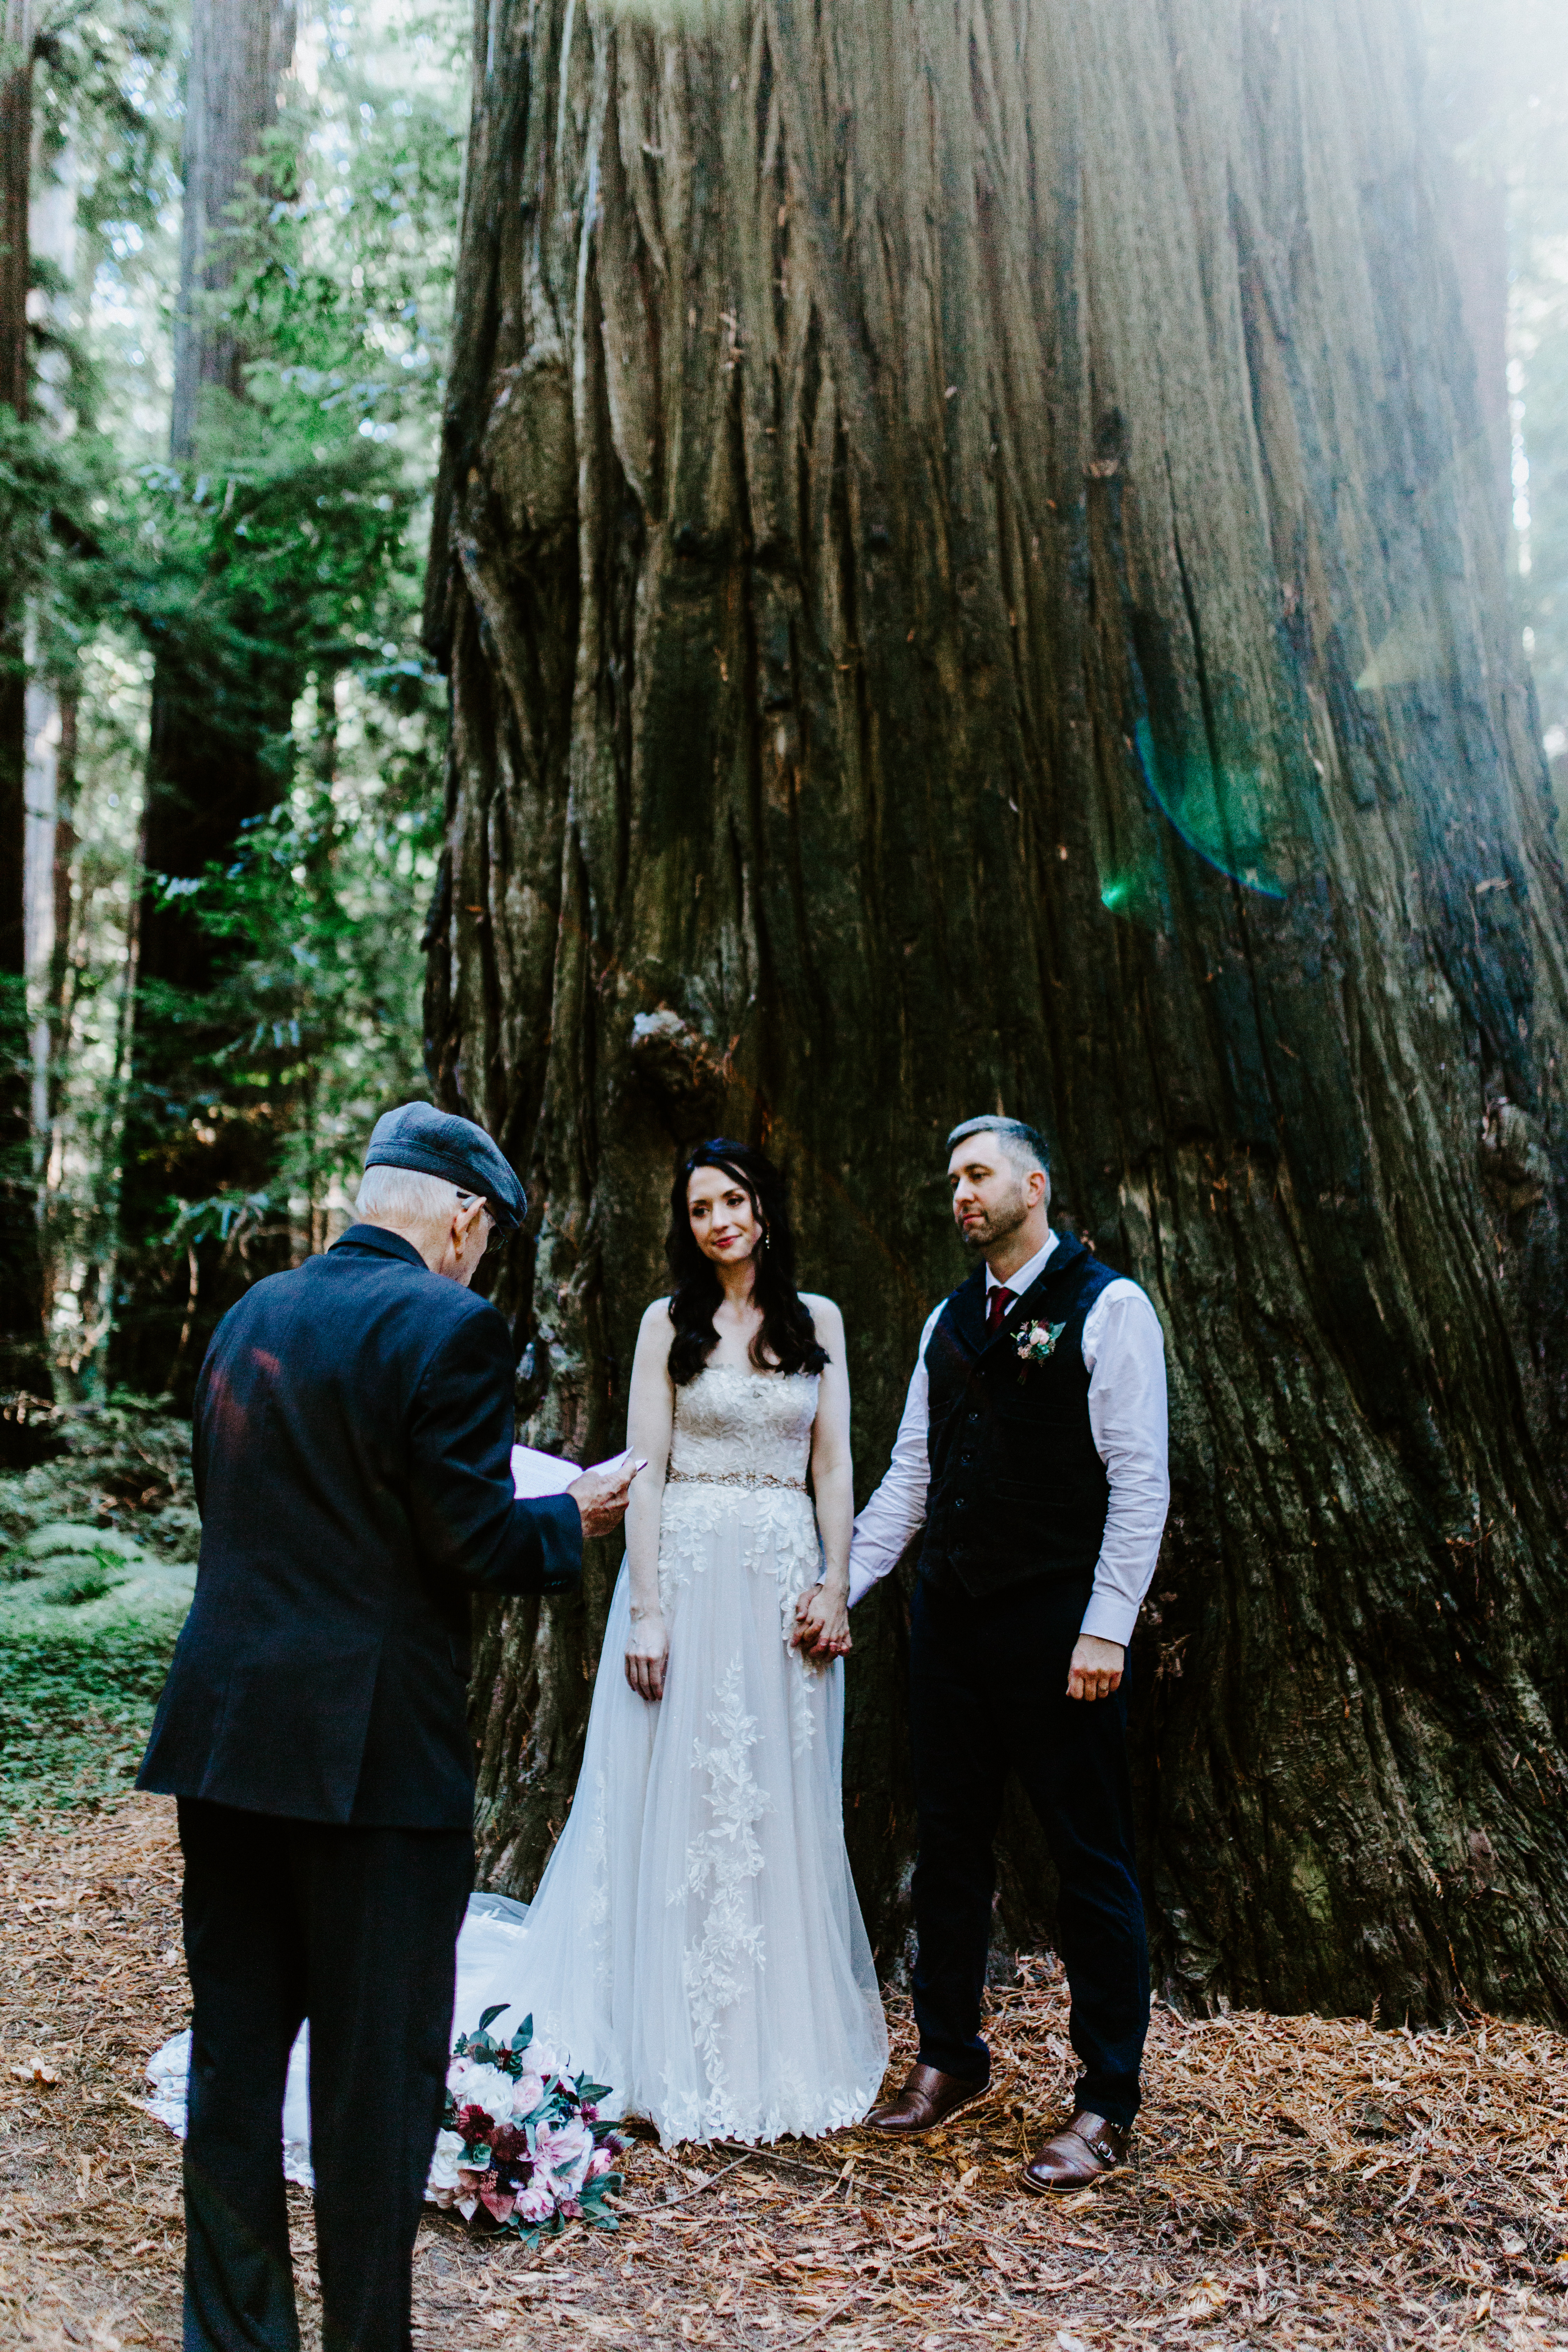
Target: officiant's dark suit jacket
{"points": [[353, 1429]]}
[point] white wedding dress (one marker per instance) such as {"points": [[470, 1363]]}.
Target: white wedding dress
{"points": [[695, 1941]]}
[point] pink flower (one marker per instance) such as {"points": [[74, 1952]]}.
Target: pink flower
{"points": [[603, 2160], [527, 2093], [537, 2202], [565, 2150]]}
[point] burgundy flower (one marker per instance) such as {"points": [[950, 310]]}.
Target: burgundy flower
{"points": [[509, 2145], [474, 2124]]}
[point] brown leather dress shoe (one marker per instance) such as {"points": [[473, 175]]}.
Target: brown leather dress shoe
{"points": [[1078, 2153], [928, 2098]]}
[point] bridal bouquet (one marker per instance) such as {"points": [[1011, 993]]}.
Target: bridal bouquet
{"points": [[523, 2138]]}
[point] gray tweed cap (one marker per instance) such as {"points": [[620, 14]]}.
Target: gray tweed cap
{"points": [[438, 1143]]}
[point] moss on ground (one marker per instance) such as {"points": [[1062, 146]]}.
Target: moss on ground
{"points": [[98, 1549]]}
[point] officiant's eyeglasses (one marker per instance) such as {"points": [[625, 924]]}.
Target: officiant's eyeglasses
{"points": [[492, 1230]]}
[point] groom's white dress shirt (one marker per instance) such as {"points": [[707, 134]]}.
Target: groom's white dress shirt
{"points": [[1124, 1356]]}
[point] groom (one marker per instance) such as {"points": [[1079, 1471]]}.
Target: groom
{"points": [[1033, 1449], [354, 1428]]}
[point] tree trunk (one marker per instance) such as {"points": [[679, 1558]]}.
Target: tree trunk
{"points": [[23, 1359], [964, 587], [206, 768]]}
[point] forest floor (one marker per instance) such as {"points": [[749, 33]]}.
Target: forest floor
{"points": [[1294, 2181]]}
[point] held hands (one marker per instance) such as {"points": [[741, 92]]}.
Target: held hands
{"points": [[601, 1495], [1095, 1668], [648, 1653], [822, 1624]]}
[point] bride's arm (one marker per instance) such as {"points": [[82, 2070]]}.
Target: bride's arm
{"points": [[822, 1620], [650, 1422]]}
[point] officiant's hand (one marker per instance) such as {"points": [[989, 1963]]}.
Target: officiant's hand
{"points": [[600, 1496], [1095, 1668], [648, 1653], [821, 1624]]}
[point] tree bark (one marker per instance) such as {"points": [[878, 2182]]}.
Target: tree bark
{"points": [[963, 588], [23, 1359], [206, 768]]}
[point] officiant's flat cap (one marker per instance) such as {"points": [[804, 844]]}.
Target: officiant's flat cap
{"points": [[438, 1143]]}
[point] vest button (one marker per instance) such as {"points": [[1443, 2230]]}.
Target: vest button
{"points": [[961, 1503]]}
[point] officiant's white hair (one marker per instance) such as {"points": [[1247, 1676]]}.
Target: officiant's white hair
{"points": [[404, 1196], [1024, 1146]]}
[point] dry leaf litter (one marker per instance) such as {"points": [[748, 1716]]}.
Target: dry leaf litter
{"points": [[1296, 2181]]}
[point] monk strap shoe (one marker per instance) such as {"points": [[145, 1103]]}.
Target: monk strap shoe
{"points": [[1079, 2153]]}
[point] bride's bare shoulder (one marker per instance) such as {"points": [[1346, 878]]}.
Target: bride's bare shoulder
{"points": [[821, 1310], [657, 1316]]}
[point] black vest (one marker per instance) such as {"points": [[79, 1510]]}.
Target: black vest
{"points": [[1018, 1490]]}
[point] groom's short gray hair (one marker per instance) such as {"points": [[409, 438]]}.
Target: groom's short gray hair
{"points": [[1024, 1145]]}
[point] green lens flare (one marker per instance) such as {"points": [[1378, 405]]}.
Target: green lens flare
{"points": [[1221, 814]]}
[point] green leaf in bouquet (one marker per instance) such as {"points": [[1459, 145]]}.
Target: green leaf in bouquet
{"points": [[590, 2094], [494, 2011], [525, 2033]]}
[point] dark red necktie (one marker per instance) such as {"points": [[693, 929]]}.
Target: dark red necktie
{"points": [[1001, 1299]]}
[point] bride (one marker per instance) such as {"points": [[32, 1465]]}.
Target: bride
{"points": [[695, 1940]]}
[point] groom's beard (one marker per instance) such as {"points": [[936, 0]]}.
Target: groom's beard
{"points": [[983, 1234]]}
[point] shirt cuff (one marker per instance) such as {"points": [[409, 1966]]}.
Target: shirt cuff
{"points": [[1110, 1618], [861, 1580]]}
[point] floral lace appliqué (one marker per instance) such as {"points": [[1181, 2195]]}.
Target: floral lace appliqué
{"points": [[720, 1862]]}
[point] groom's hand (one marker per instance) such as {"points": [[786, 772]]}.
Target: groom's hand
{"points": [[600, 1496], [1095, 1668]]}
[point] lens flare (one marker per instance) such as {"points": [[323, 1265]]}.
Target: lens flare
{"points": [[1221, 813]]}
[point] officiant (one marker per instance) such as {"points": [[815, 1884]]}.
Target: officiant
{"points": [[353, 1427], [1033, 1454]]}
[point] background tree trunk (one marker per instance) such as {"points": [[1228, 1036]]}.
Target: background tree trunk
{"points": [[23, 1359], [206, 768], [970, 577]]}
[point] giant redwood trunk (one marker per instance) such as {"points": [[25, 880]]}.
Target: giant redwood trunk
{"points": [[970, 578]]}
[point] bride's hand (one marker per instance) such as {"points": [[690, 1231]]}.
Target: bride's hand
{"points": [[822, 1624], [648, 1653]]}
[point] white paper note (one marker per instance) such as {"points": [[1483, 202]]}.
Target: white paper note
{"points": [[534, 1473]]}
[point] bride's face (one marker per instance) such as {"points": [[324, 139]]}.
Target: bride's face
{"points": [[722, 1217]]}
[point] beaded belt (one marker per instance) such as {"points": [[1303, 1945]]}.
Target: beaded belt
{"points": [[746, 1479]]}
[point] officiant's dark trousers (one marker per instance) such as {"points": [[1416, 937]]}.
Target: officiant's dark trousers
{"points": [[988, 1695], [355, 1929]]}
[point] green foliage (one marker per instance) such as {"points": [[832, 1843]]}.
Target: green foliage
{"points": [[96, 1575], [277, 583]]}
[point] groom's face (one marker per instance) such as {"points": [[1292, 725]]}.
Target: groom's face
{"points": [[990, 1198]]}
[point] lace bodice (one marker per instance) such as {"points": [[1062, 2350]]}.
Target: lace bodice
{"points": [[737, 1458], [732, 1423]]}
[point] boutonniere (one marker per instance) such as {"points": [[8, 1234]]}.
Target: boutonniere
{"points": [[1033, 1342]]}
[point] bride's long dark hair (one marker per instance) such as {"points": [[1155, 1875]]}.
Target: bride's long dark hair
{"points": [[787, 1338]]}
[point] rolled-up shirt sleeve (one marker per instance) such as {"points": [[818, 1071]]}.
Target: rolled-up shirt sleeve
{"points": [[897, 1508], [467, 1516], [1124, 1354]]}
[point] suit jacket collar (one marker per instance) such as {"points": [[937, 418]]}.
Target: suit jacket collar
{"points": [[384, 1244]]}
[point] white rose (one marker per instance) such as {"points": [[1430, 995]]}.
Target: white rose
{"points": [[443, 2164]]}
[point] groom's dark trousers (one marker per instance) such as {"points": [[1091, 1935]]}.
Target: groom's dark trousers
{"points": [[353, 1425], [988, 1695]]}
